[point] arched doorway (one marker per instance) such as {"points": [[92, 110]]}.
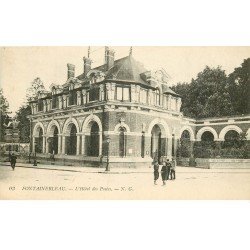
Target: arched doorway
{"points": [[156, 143], [71, 140], [53, 141], [39, 141], [122, 142], [93, 146]]}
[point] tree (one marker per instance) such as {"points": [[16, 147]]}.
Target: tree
{"points": [[25, 110], [36, 87], [238, 84], [183, 89], [24, 123], [4, 118], [207, 95], [4, 105]]}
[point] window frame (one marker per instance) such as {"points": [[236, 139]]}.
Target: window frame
{"points": [[72, 97], [94, 92], [123, 88], [40, 105], [144, 93]]}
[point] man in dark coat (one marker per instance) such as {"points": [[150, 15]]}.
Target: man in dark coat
{"points": [[13, 161], [172, 170], [156, 172], [164, 173], [168, 167]]}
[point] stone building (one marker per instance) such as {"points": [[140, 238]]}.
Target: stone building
{"points": [[119, 109]]}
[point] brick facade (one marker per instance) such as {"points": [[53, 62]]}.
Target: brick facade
{"points": [[112, 111]]}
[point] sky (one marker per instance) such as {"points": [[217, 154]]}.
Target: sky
{"points": [[19, 66]]}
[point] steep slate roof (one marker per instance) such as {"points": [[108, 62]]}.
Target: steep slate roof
{"points": [[127, 69], [124, 69]]}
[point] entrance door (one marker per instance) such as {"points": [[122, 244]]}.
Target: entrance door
{"points": [[156, 143], [94, 140]]}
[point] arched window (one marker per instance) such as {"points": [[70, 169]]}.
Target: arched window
{"points": [[54, 142], [39, 141], [94, 140], [122, 142], [71, 140]]}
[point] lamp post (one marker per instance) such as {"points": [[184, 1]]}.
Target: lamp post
{"points": [[35, 162], [108, 142]]}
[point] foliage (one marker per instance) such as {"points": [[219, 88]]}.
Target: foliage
{"points": [[36, 87], [238, 84], [231, 148], [25, 110], [183, 89], [4, 105], [213, 94], [184, 149], [4, 118], [24, 123], [205, 149]]}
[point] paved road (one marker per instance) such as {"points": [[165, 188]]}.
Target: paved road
{"points": [[63, 182]]}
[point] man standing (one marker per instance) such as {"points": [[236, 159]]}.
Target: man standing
{"points": [[168, 167], [13, 161], [172, 169], [164, 173]]}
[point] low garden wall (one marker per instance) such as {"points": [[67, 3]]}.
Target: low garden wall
{"points": [[223, 163]]}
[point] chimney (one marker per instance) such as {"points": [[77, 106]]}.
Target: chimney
{"points": [[71, 70], [109, 58], [87, 65]]}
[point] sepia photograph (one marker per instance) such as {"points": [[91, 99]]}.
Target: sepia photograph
{"points": [[125, 122], [124, 125]]}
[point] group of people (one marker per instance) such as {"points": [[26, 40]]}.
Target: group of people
{"points": [[167, 170]]}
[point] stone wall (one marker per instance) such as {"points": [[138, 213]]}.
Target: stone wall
{"points": [[223, 163]]}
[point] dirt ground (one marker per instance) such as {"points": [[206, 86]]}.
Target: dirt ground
{"points": [[82, 183]]}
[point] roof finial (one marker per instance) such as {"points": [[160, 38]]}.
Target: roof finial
{"points": [[88, 51], [131, 51]]}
